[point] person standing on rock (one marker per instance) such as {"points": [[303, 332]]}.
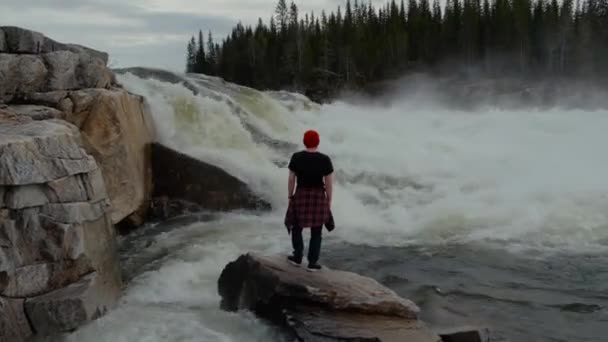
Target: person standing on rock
{"points": [[310, 204]]}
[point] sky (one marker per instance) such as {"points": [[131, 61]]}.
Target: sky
{"points": [[151, 33]]}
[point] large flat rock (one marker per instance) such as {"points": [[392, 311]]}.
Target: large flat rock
{"points": [[329, 305], [66, 309], [41, 151]]}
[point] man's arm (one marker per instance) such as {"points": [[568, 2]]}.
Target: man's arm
{"points": [[291, 183], [329, 186]]}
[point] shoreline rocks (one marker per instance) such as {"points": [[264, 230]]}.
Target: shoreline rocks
{"points": [[328, 305], [55, 227]]}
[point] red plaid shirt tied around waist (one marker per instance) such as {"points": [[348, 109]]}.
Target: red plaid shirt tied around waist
{"points": [[309, 207]]}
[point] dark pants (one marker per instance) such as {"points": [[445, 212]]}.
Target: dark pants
{"points": [[314, 249]]}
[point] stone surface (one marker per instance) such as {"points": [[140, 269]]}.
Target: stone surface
{"points": [[464, 335], [93, 73], [68, 308], [3, 46], [62, 66], [41, 151], [117, 129], [14, 326], [25, 197], [314, 324], [19, 40], [21, 74], [36, 112], [50, 99], [183, 178], [57, 241], [329, 305], [77, 212], [69, 71]]}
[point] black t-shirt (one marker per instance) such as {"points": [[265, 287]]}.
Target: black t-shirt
{"points": [[310, 168]]}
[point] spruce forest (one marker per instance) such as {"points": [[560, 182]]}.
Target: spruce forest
{"points": [[359, 44]]}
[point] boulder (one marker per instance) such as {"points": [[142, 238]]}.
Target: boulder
{"points": [[118, 129], [68, 308], [329, 305], [14, 326], [21, 74], [41, 151], [181, 178]]}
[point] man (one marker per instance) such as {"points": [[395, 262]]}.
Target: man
{"points": [[310, 205]]}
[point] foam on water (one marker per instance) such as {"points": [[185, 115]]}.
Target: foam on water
{"points": [[409, 173]]}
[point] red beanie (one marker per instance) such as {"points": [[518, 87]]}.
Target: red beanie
{"points": [[311, 139]]}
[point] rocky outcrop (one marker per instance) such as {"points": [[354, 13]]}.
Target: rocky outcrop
{"points": [[43, 79], [55, 230], [328, 305], [183, 184], [117, 130]]}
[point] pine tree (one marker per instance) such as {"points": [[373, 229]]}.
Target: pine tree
{"points": [[359, 44], [200, 66], [191, 56]]}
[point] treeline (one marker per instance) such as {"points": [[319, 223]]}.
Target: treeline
{"points": [[360, 44]]}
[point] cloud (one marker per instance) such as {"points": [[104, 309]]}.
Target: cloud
{"points": [[131, 34]]}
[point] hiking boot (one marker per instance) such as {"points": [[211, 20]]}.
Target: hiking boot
{"points": [[294, 261], [313, 267]]}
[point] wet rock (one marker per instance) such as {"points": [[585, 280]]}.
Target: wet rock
{"points": [[181, 177], [66, 309], [14, 326], [329, 305]]}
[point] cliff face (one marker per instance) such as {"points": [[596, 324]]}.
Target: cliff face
{"points": [[74, 160], [43, 79], [55, 231]]}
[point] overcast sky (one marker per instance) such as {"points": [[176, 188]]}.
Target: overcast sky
{"points": [[141, 32]]}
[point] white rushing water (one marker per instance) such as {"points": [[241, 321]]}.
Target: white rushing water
{"points": [[406, 174]]}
